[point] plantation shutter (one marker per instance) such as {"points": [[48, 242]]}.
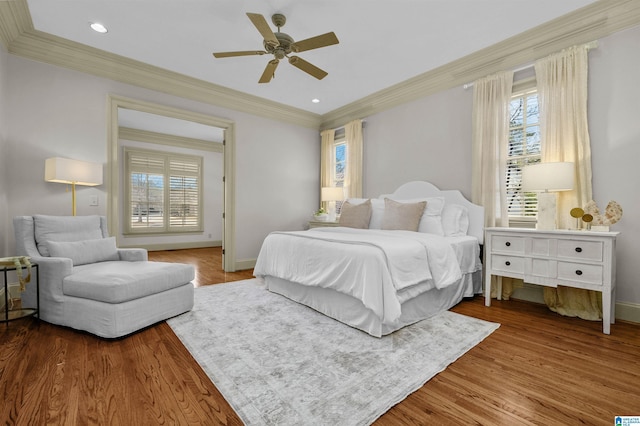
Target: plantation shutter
{"points": [[163, 192]]}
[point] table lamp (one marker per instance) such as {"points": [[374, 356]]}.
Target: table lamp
{"points": [[73, 172], [547, 179], [331, 195]]}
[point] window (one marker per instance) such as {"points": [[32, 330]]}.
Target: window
{"points": [[163, 192], [524, 149], [338, 168]]}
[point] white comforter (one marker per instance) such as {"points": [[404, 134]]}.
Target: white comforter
{"points": [[380, 268]]}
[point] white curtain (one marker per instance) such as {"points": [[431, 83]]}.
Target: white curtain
{"points": [[490, 121], [562, 98], [326, 159], [353, 177], [490, 138]]}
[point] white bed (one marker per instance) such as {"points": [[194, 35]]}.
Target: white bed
{"points": [[376, 280]]}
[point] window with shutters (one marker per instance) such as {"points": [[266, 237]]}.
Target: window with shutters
{"points": [[339, 167], [524, 149], [163, 192]]}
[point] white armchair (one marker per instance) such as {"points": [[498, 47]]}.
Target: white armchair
{"points": [[88, 284]]}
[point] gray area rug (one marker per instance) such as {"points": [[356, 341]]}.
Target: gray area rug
{"points": [[280, 363]]}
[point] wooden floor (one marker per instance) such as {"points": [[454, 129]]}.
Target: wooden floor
{"points": [[538, 368]]}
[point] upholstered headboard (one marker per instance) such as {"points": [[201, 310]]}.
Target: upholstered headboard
{"points": [[421, 189]]}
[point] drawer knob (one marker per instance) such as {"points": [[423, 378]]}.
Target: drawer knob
{"points": [[507, 263], [578, 272], [508, 244], [578, 249]]}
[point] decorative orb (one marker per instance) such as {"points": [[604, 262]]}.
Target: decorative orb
{"points": [[576, 212]]}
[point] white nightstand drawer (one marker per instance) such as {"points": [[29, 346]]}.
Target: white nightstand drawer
{"points": [[578, 272], [585, 250], [507, 264], [543, 268], [505, 244]]}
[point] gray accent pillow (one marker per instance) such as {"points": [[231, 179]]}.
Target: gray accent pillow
{"points": [[355, 215], [402, 216], [87, 251]]}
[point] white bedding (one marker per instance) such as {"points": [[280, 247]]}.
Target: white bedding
{"points": [[382, 269]]}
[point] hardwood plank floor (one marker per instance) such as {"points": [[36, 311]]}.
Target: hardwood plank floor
{"points": [[538, 368]]}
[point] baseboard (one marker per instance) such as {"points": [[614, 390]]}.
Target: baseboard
{"points": [[624, 311], [244, 264], [176, 246], [628, 312]]}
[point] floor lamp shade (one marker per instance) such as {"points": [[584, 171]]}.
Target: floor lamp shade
{"points": [[548, 178], [72, 172]]}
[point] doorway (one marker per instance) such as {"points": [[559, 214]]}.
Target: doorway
{"points": [[120, 106]]}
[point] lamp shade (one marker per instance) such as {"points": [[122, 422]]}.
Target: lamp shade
{"points": [[544, 177], [65, 170], [332, 194]]}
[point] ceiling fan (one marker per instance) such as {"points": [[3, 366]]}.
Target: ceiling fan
{"points": [[281, 45]]}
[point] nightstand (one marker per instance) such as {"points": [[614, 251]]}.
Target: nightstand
{"points": [[320, 224], [580, 259]]}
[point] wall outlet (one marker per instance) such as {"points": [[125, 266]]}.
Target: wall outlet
{"points": [[93, 200]]}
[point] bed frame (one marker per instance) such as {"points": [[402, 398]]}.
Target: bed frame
{"points": [[351, 311], [420, 189]]}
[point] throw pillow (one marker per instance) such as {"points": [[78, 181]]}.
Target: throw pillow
{"points": [[87, 251], [402, 216], [355, 215]]}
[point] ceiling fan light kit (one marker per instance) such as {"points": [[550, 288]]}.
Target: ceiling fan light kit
{"points": [[281, 45]]}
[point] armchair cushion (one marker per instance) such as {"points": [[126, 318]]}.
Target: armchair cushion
{"points": [[117, 282], [86, 251], [66, 229]]}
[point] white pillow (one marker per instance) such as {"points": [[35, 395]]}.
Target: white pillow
{"points": [[431, 221], [455, 220], [86, 251]]}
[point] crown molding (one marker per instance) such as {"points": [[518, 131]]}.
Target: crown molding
{"points": [[587, 24], [20, 38], [14, 20], [169, 140], [597, 20]]}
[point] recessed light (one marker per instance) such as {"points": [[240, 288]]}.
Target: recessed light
{"points": [[315, 101], [99, 28]]}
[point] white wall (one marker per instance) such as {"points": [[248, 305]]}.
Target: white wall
{"points": [[5, 220], [53, 111], [430, 139], [614, 128]]}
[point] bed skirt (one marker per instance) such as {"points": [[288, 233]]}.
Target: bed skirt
{"points": [[351, 311]]}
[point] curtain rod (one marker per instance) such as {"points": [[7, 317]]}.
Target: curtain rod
{"points": [[590, 45]]}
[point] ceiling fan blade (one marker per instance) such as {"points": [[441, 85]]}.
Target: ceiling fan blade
{"points": [[315, 42], [307, 67], [240, 53], [261, 25], [269, 71]]}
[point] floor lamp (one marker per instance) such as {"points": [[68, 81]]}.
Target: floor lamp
{"points": [[547, 179], [73, 172]]}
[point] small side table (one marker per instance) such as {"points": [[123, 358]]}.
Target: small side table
{"points": [[14, 314]]}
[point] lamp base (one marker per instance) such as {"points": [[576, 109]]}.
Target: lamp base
{"points": [[546, 211]]}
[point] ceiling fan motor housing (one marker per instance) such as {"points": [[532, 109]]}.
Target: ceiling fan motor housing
{"points": [[283, 49]]}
